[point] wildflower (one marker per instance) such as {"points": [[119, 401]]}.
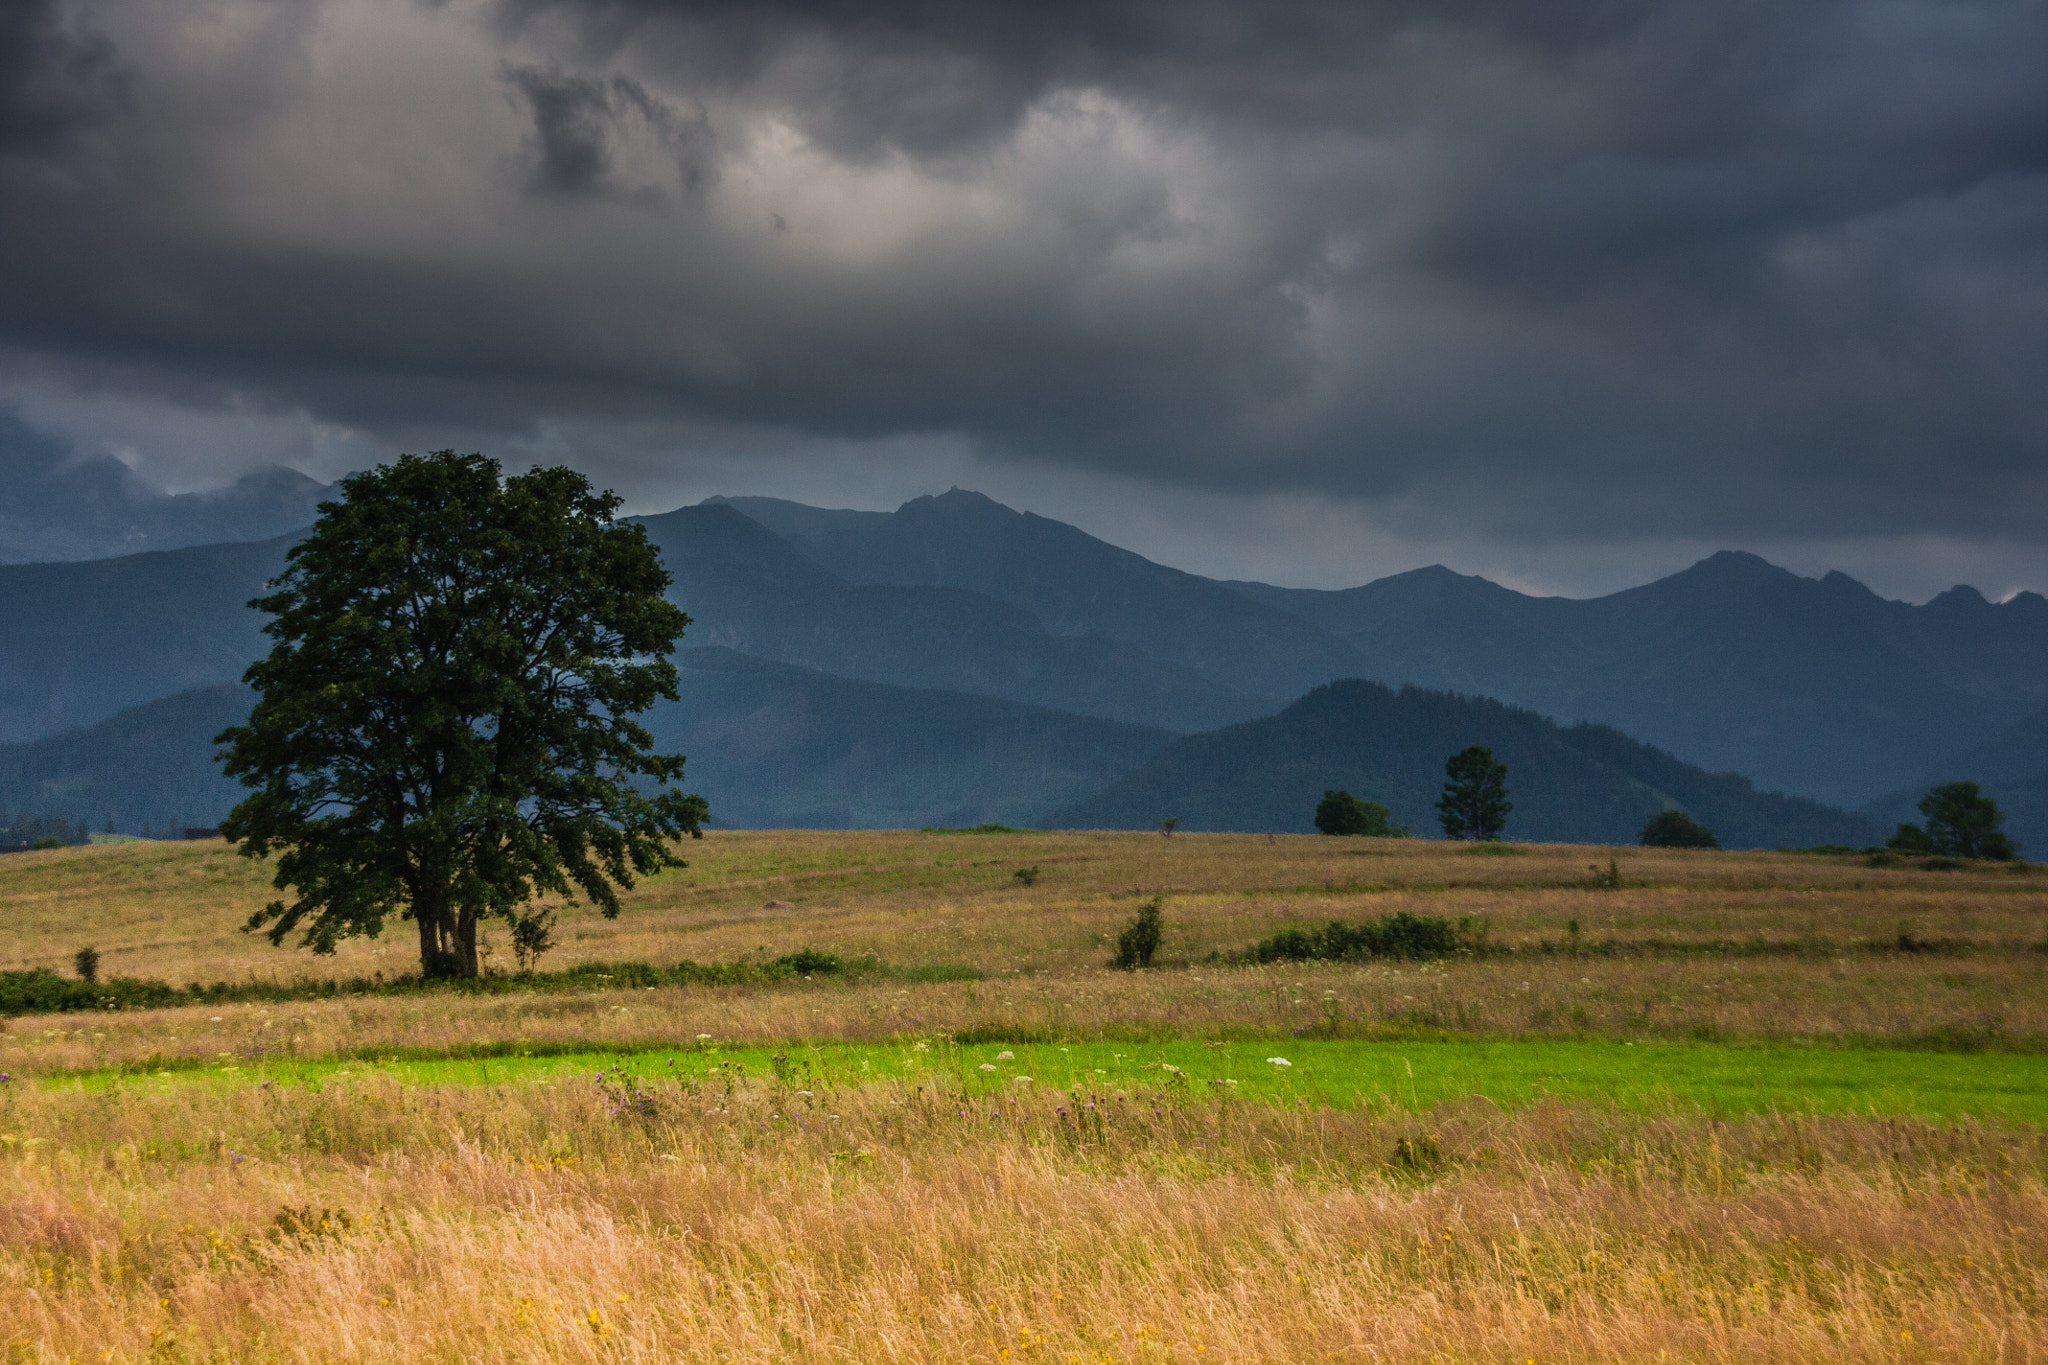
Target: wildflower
{"points": [[988, 1066], [1023, 1080], [1005, 1055], [703, 1037], [1279, 1061]]}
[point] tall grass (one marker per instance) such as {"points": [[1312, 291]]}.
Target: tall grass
{"points": [[753, 1221]]}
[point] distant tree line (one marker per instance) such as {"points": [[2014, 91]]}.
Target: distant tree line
{"points": [[21, 833]]}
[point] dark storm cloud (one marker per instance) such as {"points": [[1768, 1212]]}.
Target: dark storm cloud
{"points": [[56, 78], [578, 120], [1571, 268]]}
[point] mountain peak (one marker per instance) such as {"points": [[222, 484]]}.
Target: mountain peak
{"points": [[956, 500]]}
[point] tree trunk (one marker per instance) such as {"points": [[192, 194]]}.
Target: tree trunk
{"points": [[438, 957], [464, 946]]}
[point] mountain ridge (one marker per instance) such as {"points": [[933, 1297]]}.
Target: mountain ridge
{"points": [[1581, 785]]}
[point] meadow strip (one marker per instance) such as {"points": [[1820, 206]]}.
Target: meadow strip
{"points": [[374, 1221]]}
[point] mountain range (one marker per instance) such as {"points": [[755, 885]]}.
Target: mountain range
{"points": [[769, 745], [1582, 784], [1815, 687], [63, 504]]}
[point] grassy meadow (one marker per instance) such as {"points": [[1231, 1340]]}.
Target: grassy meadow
{"points": [[1737, 1107]]}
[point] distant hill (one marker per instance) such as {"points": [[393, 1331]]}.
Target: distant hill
{"points": [[79, 642], [1586, 784], [1070, 581], [775, 746], [750, 590], [1811, 685], [146, 770], [2011, 768], [1814, 686], [768, 745]]}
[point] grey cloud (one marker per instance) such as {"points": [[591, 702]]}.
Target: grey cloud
{"points": [[56, 78], [1556, 270], [578, 122]]}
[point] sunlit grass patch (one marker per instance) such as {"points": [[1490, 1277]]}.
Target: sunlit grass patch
{"points": [[1411, 1075]]}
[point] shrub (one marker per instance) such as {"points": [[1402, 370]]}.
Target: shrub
{"points": [[87, 962], [1399, 935], [1676, 829], [1910, 839], [1339, 812], [1140, 938]]}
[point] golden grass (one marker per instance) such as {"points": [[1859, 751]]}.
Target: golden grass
{"points": [[1880, 999], [159, 1221], [174, 911], [370, 1222]]}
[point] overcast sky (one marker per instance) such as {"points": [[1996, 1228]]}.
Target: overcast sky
{"points": [[1568, 293]]}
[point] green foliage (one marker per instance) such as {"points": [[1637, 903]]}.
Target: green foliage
{"points": [[86, 962], [1676, 829], [978, 829], [1964, 823], [1027, 875], [1399, 935], [1167, 826], [444, 726], [1475, 802], [42, 991], [1140, 938], [1339, 812], [1910, 839]]}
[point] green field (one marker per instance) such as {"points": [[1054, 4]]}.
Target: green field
{"points": [[1413, 1076]]}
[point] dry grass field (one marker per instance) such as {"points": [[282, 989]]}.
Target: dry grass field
{"points": [[358, 1218]]}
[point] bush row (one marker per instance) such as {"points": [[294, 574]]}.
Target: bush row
{"points": [[42, 991]]}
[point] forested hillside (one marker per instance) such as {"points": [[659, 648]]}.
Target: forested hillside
{"points": [[1585, 785]]}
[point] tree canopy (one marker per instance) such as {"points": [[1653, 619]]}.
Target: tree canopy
{"points": [[444, 726], [1475, 802], [1339, 812], [1962, 822], [1676, 829]]}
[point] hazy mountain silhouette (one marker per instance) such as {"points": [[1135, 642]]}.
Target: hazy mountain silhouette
{"points": [[768, 745], [146, 770], [771, 745], [1587, 784], [750, 590], [64, 506], [1072, 582], [79, 642], [1816, 686], [1813, 685]]}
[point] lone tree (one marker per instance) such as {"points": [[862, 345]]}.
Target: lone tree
{"points": [[444, 727], [1475, 802], [1962, 822], [1676, 829], [1339, 812]]}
